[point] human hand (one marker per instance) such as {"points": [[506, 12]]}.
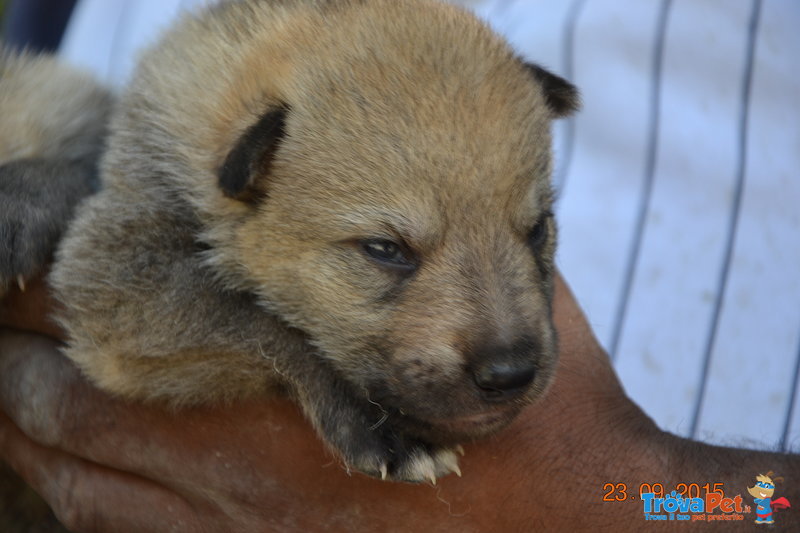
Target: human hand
{"points": [[107, 465]]}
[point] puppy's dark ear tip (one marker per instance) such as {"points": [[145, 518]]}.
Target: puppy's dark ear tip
{"points": [[561, 96], [250, 157]]}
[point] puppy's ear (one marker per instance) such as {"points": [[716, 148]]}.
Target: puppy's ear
{"points": [[561, 96], [251, 157]]}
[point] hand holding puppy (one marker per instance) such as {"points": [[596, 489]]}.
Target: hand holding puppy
{"points": [[107, 465]]}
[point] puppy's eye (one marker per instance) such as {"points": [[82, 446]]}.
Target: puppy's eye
{"points": [[387, 253], [537, 236]]}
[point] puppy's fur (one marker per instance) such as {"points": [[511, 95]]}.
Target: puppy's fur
{"points": [[347, 199], [52, 126]]}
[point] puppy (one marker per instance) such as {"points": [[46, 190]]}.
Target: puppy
{"points": [[348, 201], [52, 127], [53, 121]]}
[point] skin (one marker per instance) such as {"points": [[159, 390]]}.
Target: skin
{"points": [[260, 467]]}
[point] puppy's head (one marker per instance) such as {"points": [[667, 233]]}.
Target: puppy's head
{"points": [[397, 208]]}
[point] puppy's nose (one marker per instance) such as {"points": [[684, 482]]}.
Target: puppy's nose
{"points": [[504, 380]]}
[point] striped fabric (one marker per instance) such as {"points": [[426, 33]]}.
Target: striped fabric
{"points": [[677, 183]]}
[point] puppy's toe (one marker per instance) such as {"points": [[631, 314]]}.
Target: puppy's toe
{"points": [[27, 240], [427, 464]]}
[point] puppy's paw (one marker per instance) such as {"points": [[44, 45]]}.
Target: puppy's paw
{"points": [[389, 454], [410, 461], [368, 438], [27, 238], [416, 461], [37, 198]]}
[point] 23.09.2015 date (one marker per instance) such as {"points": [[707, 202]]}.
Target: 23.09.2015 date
{"points": [[619, 492]]}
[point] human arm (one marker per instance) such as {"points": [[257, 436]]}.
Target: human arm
{"points": [[107, 465]]}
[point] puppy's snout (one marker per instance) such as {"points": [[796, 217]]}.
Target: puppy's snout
{"points": [[502, 373]]}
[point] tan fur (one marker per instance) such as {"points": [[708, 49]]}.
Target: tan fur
{"points": [[407, 121], [47, 109]]}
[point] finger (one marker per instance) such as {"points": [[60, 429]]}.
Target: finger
{"points": [[33, 379], [46, 397], [567, 314], [88, 497], [49, 400], [578, 345], [585, 377]]}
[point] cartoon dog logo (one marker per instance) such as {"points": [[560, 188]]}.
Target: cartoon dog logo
{"points": [[762, 493]]}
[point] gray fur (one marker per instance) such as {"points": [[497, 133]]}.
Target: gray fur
{"points": [[52, 129]]}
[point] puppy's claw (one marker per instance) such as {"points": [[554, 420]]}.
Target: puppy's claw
{"points": [[421, 468], [449, 462], [460, 449], [384, 471], [21, 282]]}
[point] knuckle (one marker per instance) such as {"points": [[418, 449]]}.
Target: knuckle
{"points": [[37, 397], [69, 503]]}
